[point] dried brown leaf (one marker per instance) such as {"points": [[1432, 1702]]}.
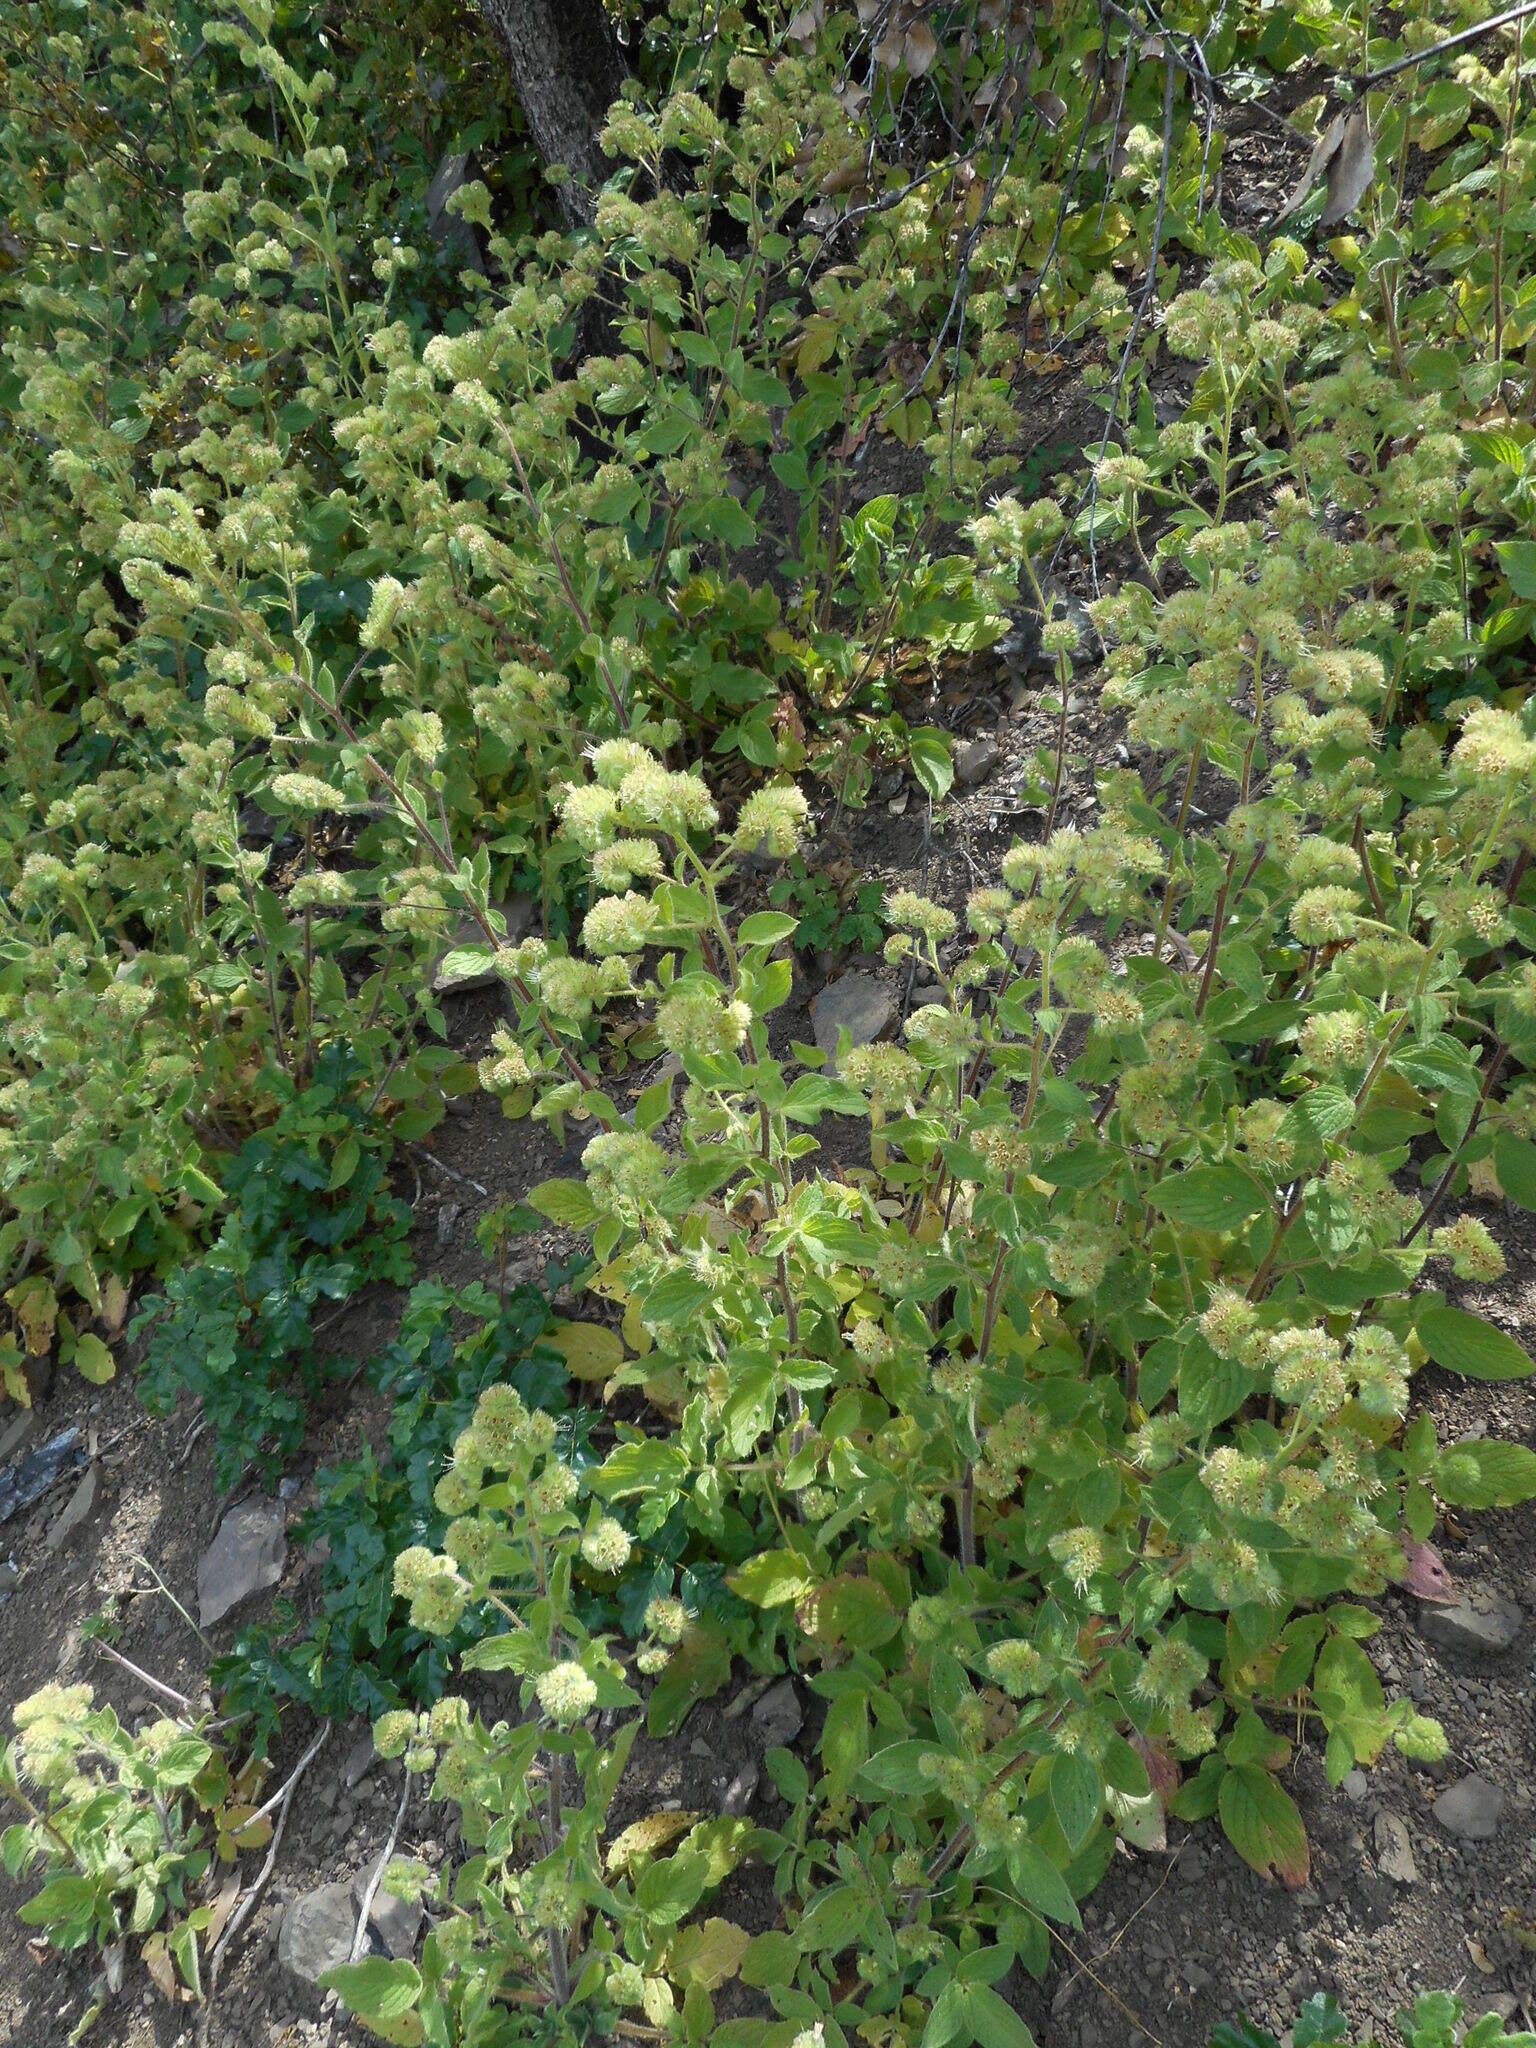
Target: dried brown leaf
{"points": [[1350, 169]]}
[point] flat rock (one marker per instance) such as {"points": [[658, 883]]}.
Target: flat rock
{"points": [[77, 1510], [1470, 1808], [742, 1790], [1482, 1623], [396, 1922], [859, 1004], [316, 1934], [245, 1557], [778, 1716], [974, 762], [1356, 1786], [1394, 1851], [518, 914]]}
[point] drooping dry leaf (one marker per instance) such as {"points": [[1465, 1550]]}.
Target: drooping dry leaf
{"points": [[806, 22], [590, 1351], [1427, 1577], [920, 47], [887, 52], [869, 11], [1051, 108], [1322, 151], [1350, 169]]}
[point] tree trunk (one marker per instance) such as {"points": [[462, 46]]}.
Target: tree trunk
{"points": [[567, 71]]}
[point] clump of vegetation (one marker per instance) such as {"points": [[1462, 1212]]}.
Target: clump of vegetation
{"points": [[309, 1223], [1438, 2020], [124, 1827], [1059, 1446]]}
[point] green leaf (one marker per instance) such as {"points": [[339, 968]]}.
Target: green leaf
{"points": [[1465, 1344], [1517, 558], [376, 1989], [1041, 1885], [1514, 1160], [1259, 1819], [93, 1361], [1212, 1197], [1348, 1695], [564, 1201], [766, 928], [1076, 1796], [993, 2022], [772, 1579], [698, 1667], [1485, 1474], [931, 761]]}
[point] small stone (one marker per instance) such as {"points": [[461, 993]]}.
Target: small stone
{"points": [[15, 1433], [1355, 1786], [741, 1791], [856, 1003], [447, 1222], [778, 1716], [316, 1934], [975, 761], [361, 1758], [1481, 1624], [1470, 1808], [518, 913], [1394, 1851], [77, 1510], [396, 1922], [245, 1557]]}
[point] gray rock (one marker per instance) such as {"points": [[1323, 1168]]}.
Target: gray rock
{"points": [[77, 1510], [857, 1004], [518, 914], [742, 1789], [1470, 1808], [396, 1922], [1481, 1624], [361, 1758], [975, 761], [778, 1716], [245, 1557], [1394, 1851], [1355, 1786], [316, 1934]]}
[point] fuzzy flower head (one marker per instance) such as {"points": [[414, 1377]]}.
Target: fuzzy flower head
{"points": [[772, 821], [910, 912], [693, 1021], [565, 1693], [676, 804], [618, 924], [1493, 748], [606, 1546], [1471, 1249], [1325, 916]]}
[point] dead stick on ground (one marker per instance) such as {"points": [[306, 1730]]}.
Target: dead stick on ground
{"points": [[282, 1800]]}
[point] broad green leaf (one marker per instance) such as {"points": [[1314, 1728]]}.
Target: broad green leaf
{"points": [[931, 761], [697, 1668], [375, 1989], [772, 1579], [1260, 1820], [93, 1360], [1465, 1344], [1077, 1795], [1514, 1160], [1209, 1197], [1517, 558], [1485, 1474], [1040, 1884], [564, 1201]]}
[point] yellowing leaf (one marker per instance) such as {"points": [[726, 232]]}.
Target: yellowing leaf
{"points": [[643, 1838], [93, 1360], [707, 1954], [590, 1351]]}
